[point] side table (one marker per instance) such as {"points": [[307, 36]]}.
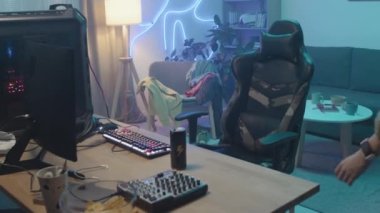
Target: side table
{"points": [[313, 114]]}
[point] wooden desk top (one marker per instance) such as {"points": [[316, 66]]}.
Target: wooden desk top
{"points": [[234, 185]]}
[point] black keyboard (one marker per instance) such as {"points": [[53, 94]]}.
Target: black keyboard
{"points": [[163, 191], [137, 142]]}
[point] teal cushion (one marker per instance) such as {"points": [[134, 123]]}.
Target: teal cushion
{"points": [[332, 66], [365, 70]]}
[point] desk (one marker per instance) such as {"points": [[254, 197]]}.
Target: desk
{"points": [[234, 185], [313, 114]]}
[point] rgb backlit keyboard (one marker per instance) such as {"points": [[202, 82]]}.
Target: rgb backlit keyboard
{"points": [[137, 142]]}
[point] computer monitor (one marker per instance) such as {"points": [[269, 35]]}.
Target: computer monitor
{"points": [[45, 83], [50, 97]]}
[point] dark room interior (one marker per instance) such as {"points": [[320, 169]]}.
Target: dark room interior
{"points": [[247, 105]]}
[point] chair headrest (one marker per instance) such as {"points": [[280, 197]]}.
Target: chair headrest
{"points": [[283, 40], [287, 27]]}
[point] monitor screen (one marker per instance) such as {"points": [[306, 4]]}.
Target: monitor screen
{"points": [[44, 73], [50, 97]]}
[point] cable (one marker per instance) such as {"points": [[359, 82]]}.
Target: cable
{"points": [[95, 200], [100, 87], [104, 97], [88, 169], [89, 146], [120, 150], [83, 186], [29, 172]]}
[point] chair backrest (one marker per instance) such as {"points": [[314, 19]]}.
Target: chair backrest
{"points": [[272, 86], [172, 74]]}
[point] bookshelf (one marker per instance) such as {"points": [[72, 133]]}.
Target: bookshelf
{"points": [[248, 18]]}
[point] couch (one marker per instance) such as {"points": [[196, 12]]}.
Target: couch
{"points": [[348, 71]]}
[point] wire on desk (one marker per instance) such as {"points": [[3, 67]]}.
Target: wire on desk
{"points": [[92, 168], [32, 176], [113, 149], [89, 146], [79, 172], [84, 187], [98, 144]]}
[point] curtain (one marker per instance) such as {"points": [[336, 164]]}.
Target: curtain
{"points": [[104, 52]]}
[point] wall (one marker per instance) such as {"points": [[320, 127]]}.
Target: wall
{"points": [[336, 22], [148, 37]]}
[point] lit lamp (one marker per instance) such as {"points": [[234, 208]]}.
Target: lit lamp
{"points": [[124, 13]]}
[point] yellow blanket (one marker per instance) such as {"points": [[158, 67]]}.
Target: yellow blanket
{"points": [[163, 101]]}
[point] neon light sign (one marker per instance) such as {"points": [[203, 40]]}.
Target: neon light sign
{"points": [[177, 23]]}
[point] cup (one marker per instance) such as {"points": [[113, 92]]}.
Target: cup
{"points": [[53, 182], [316, 97], [350, 108], [338, 100], [178, 148]]}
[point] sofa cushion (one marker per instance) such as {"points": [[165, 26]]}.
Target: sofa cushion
{"points": [[332, 66], [365, 70]]}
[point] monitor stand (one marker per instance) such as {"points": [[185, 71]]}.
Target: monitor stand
{"points": [[13, 162]]}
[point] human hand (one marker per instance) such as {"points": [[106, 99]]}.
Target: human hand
{"points": [[351, 167]]}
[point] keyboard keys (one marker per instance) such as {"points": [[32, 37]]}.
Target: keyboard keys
{"points": [[164, 191], [137, 142]]}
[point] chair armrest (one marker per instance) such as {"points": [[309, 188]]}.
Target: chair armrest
{"points": [[188, 99], [277, 138], [192, 119], [190, 115], [219, 147]]}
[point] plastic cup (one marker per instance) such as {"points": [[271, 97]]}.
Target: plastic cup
{"points": [[53, 182]]}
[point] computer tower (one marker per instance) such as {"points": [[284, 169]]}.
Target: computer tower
{"points": [[65, 28]]}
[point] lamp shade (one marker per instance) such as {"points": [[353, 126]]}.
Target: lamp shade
{"points": [[123, 12]]}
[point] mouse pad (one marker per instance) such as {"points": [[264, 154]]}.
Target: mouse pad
{"points": [[8, 203]]}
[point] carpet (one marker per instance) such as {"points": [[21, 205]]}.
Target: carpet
{"points": [[319, 160]]}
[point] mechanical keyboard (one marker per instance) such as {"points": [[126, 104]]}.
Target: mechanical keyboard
{"points": [[163, 191], [137, 142]]}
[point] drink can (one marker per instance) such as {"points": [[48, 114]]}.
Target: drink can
{"points": [[178, 148]]}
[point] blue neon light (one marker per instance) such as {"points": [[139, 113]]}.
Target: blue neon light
{"points": [[195, 13], [192, 7], [148, 26], [183, 31]]}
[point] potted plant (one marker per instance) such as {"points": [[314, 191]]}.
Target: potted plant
{"points": [[221, 36], [191, 51]]}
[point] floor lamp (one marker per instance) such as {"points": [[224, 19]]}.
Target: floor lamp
{"points": [[124, 13]]}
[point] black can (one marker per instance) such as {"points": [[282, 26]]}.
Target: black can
{"points": [[178, 148]]}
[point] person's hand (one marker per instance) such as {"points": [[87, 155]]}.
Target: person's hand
{"points": [[351, 167]]}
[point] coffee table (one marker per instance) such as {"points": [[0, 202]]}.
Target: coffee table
{"points": [[313, 114]]}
